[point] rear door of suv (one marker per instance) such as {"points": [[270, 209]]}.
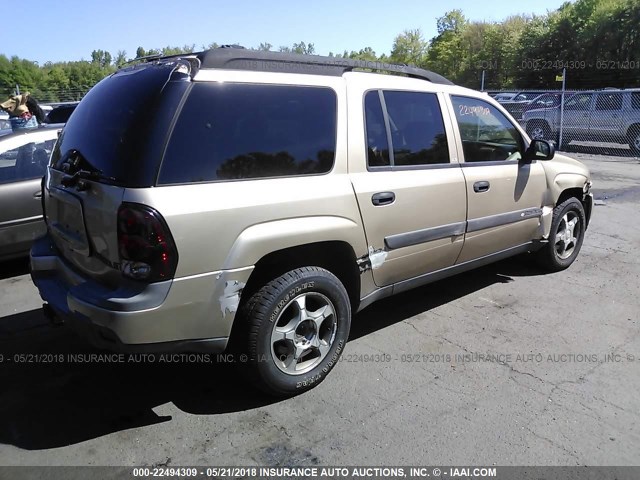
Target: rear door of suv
{"points": [[409, 186]]}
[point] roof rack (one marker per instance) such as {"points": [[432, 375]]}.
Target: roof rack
{"points": [[238, 58]]}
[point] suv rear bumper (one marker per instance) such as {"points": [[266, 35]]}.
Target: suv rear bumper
{"points": [[193, 313]]}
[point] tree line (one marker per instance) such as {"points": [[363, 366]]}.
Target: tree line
{"points": [[596, 41]]}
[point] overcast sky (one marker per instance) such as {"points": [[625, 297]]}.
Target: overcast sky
{"points": [[65, 30]]}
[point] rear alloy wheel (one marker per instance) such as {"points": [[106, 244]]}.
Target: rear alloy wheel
{"points": [[567, 234], [298, 327]]}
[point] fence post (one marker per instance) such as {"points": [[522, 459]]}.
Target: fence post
{"points": [[564, 80], [17, 89], [482, 83]]}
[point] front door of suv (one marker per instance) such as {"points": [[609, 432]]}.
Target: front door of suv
{"points": [[411, 195], [505, 195]]}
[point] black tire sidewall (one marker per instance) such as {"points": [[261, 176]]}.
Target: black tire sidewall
{"points": [[265, 312], [572, 204]]}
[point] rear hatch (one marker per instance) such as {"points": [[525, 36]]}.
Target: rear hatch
{"points": [[113, 141]]}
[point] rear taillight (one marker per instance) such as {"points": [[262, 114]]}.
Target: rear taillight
{"points": [[146, 247]]}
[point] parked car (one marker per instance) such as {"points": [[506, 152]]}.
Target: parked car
{"points": [[270, 196], [599, 115], [547, 100], [505, 96], [23, 160], [520, 103]]}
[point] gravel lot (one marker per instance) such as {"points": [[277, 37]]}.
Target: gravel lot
{"points": [[500, 366]]}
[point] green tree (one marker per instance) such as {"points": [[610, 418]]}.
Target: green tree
{"points": [[409, 48]]}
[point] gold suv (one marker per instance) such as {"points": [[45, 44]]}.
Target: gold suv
{"points": [[253, 201]]}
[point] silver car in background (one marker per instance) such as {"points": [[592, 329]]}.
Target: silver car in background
{"points": [[23, 160]]}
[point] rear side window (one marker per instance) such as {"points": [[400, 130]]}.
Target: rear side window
{"points": [[417, 129], [238, 131]]}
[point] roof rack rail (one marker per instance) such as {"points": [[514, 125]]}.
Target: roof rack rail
{"points": [[234, 57]]}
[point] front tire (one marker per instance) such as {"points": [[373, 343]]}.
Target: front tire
{"points": [[539, 131], [298, 326], [566, 236]]}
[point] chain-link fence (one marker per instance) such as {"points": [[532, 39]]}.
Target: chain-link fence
{"points": [[48, 96], [594, 121]]}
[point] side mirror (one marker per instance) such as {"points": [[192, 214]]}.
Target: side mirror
{"points": [[539, 150]]}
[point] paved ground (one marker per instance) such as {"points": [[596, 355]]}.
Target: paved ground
{"points": [[559, 382]]}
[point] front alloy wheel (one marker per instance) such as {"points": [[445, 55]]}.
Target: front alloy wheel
{"points": [[566, 236], [537, 133], [565, 239]]}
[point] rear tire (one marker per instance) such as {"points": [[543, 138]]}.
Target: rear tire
{"points": [[298, 326], [634, 141], [566, 236]]}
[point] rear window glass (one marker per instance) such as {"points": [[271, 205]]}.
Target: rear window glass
{"points": [[238, 131], [112, 127]]}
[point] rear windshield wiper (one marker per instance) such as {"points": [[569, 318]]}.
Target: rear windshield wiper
{"points": [[71, 180]]}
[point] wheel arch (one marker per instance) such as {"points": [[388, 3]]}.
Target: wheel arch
{"points": [[633, 128], [336, 256]]}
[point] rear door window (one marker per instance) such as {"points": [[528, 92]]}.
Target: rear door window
{"points": [[377, 141], [609, 101], [417, 129], [239, 131], [412, 122]]}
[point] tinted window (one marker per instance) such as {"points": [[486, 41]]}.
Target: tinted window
{"points": [[609, 101], [417, 129], [234, 131], [120, 126], [60, 114], [580, 101], [487, 135], [635, 100], [377, 143], [25, 162]]}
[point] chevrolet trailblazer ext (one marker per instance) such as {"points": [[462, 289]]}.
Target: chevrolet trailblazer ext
{"points": [[252, 201]]}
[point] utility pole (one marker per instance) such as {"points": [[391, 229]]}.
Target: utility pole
{"points": [[564, 83]]}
